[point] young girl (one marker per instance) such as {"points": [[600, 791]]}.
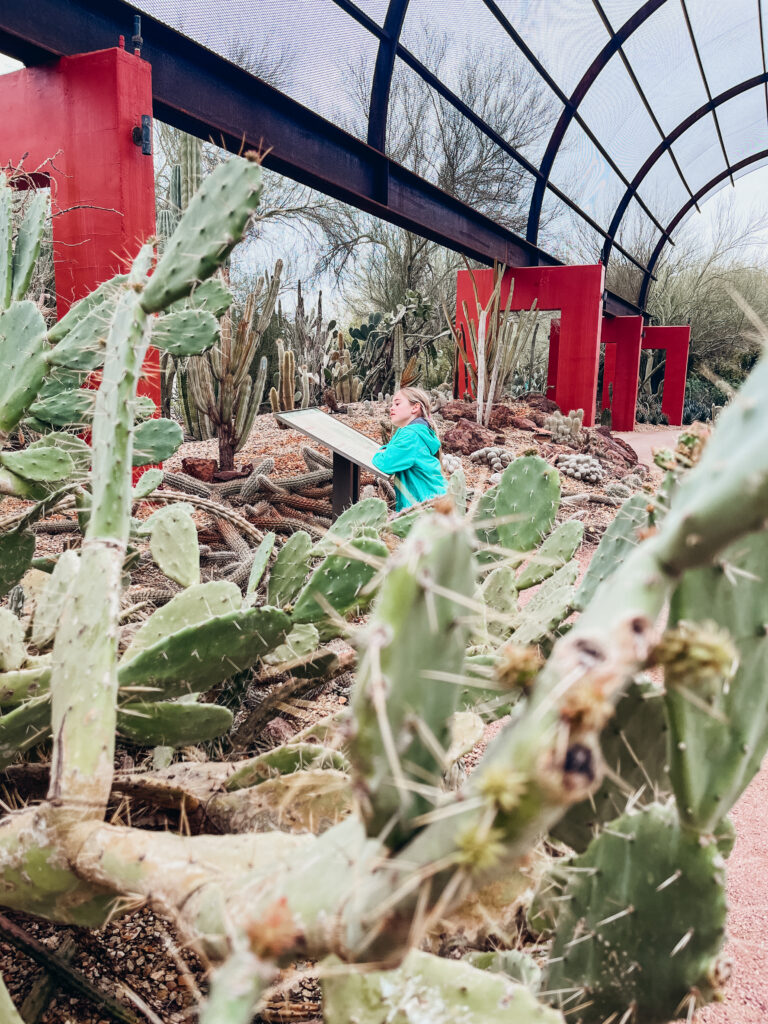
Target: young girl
{"points": [[411, 455]]}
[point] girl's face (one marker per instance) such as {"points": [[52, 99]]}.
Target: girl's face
{"points": [[401, 412]]}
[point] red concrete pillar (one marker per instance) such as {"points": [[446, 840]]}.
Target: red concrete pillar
{"points": [[676, 341], [577, 292], [623, 337], [72, 123]]}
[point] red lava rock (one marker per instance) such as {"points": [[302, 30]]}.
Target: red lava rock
{"points": [[221, 475], [535, 400], [200, 469], [466, 437], [522, 423], [618, 445], [459, 411]]}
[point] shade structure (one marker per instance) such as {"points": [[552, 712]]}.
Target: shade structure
{"points": [[586, 129]]}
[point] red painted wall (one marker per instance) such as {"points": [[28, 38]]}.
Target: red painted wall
{"points": [[577, 292], [676, 341], [622, 336], [72, 123]]}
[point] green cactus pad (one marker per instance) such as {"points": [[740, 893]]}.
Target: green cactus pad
{"points": [[301, 641], [616, 543], [197, 657], [457, 488], [637, 732], [291, 566], [81, 309], [212, 225], [190, 332], [16, 553], [284, 761], [429, 988], [368, 513], [196, 604], [173, 544], [27, 249], [24, 727], [22, 360], [516, 964], [84, 346], [66, 408], [149, 481], [558, 548], [547, 608], [260, 562], [30, 681], [402, 524], [499, 594], [170, 724], [42, 464], [211, 295], [414, 634], [53, 599], [528, 496], [75, 447], [155, 441], [339, 581], [719, 735], [641, 922], [12, 650]]}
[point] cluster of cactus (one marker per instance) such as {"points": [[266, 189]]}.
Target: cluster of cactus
{"points": [[497, 458], [581, 467], [218, 387], [450, 463], [634, 920], [566, 429], [340, 372], [282, 397]]}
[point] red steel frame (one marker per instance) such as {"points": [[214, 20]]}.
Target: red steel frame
{"points": [[71, 123], [574, 346], [676, 341], [622, 337]]}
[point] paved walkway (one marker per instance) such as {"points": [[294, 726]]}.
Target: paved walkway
{"points": [[644, 441]]}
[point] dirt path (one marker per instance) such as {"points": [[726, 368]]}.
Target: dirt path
{"points": [[746, 999], [644, 441]]}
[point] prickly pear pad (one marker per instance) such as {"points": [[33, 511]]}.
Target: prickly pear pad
{"points": [[719, 735], [527, 500], [641, 921], [197, 657]]}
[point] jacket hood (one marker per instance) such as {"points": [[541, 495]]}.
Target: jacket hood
{"points": [[426, 433]]}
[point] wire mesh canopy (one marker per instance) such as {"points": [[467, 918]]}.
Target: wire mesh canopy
{"points": [[585, 129]]}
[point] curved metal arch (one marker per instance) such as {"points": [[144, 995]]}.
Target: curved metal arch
{"points": [[686, 208], [378, 111], [663, 146], [588, 79]]}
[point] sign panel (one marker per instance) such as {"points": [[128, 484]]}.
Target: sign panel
{"points": [[339, 437]]}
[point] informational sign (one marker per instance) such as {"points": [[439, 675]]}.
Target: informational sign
{"points": [[342, 439]]}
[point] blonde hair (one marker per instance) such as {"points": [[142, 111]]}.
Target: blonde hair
{"points": [[417, 396]]}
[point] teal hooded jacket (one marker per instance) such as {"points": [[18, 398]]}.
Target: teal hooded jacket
{"points": [[411, 456]]}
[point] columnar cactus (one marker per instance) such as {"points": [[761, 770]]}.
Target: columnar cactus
{"points": [[220, 384]]}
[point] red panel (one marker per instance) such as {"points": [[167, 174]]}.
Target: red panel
{"points": [[676, 341], [74, 120], [577, 292], [622, 336]]}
